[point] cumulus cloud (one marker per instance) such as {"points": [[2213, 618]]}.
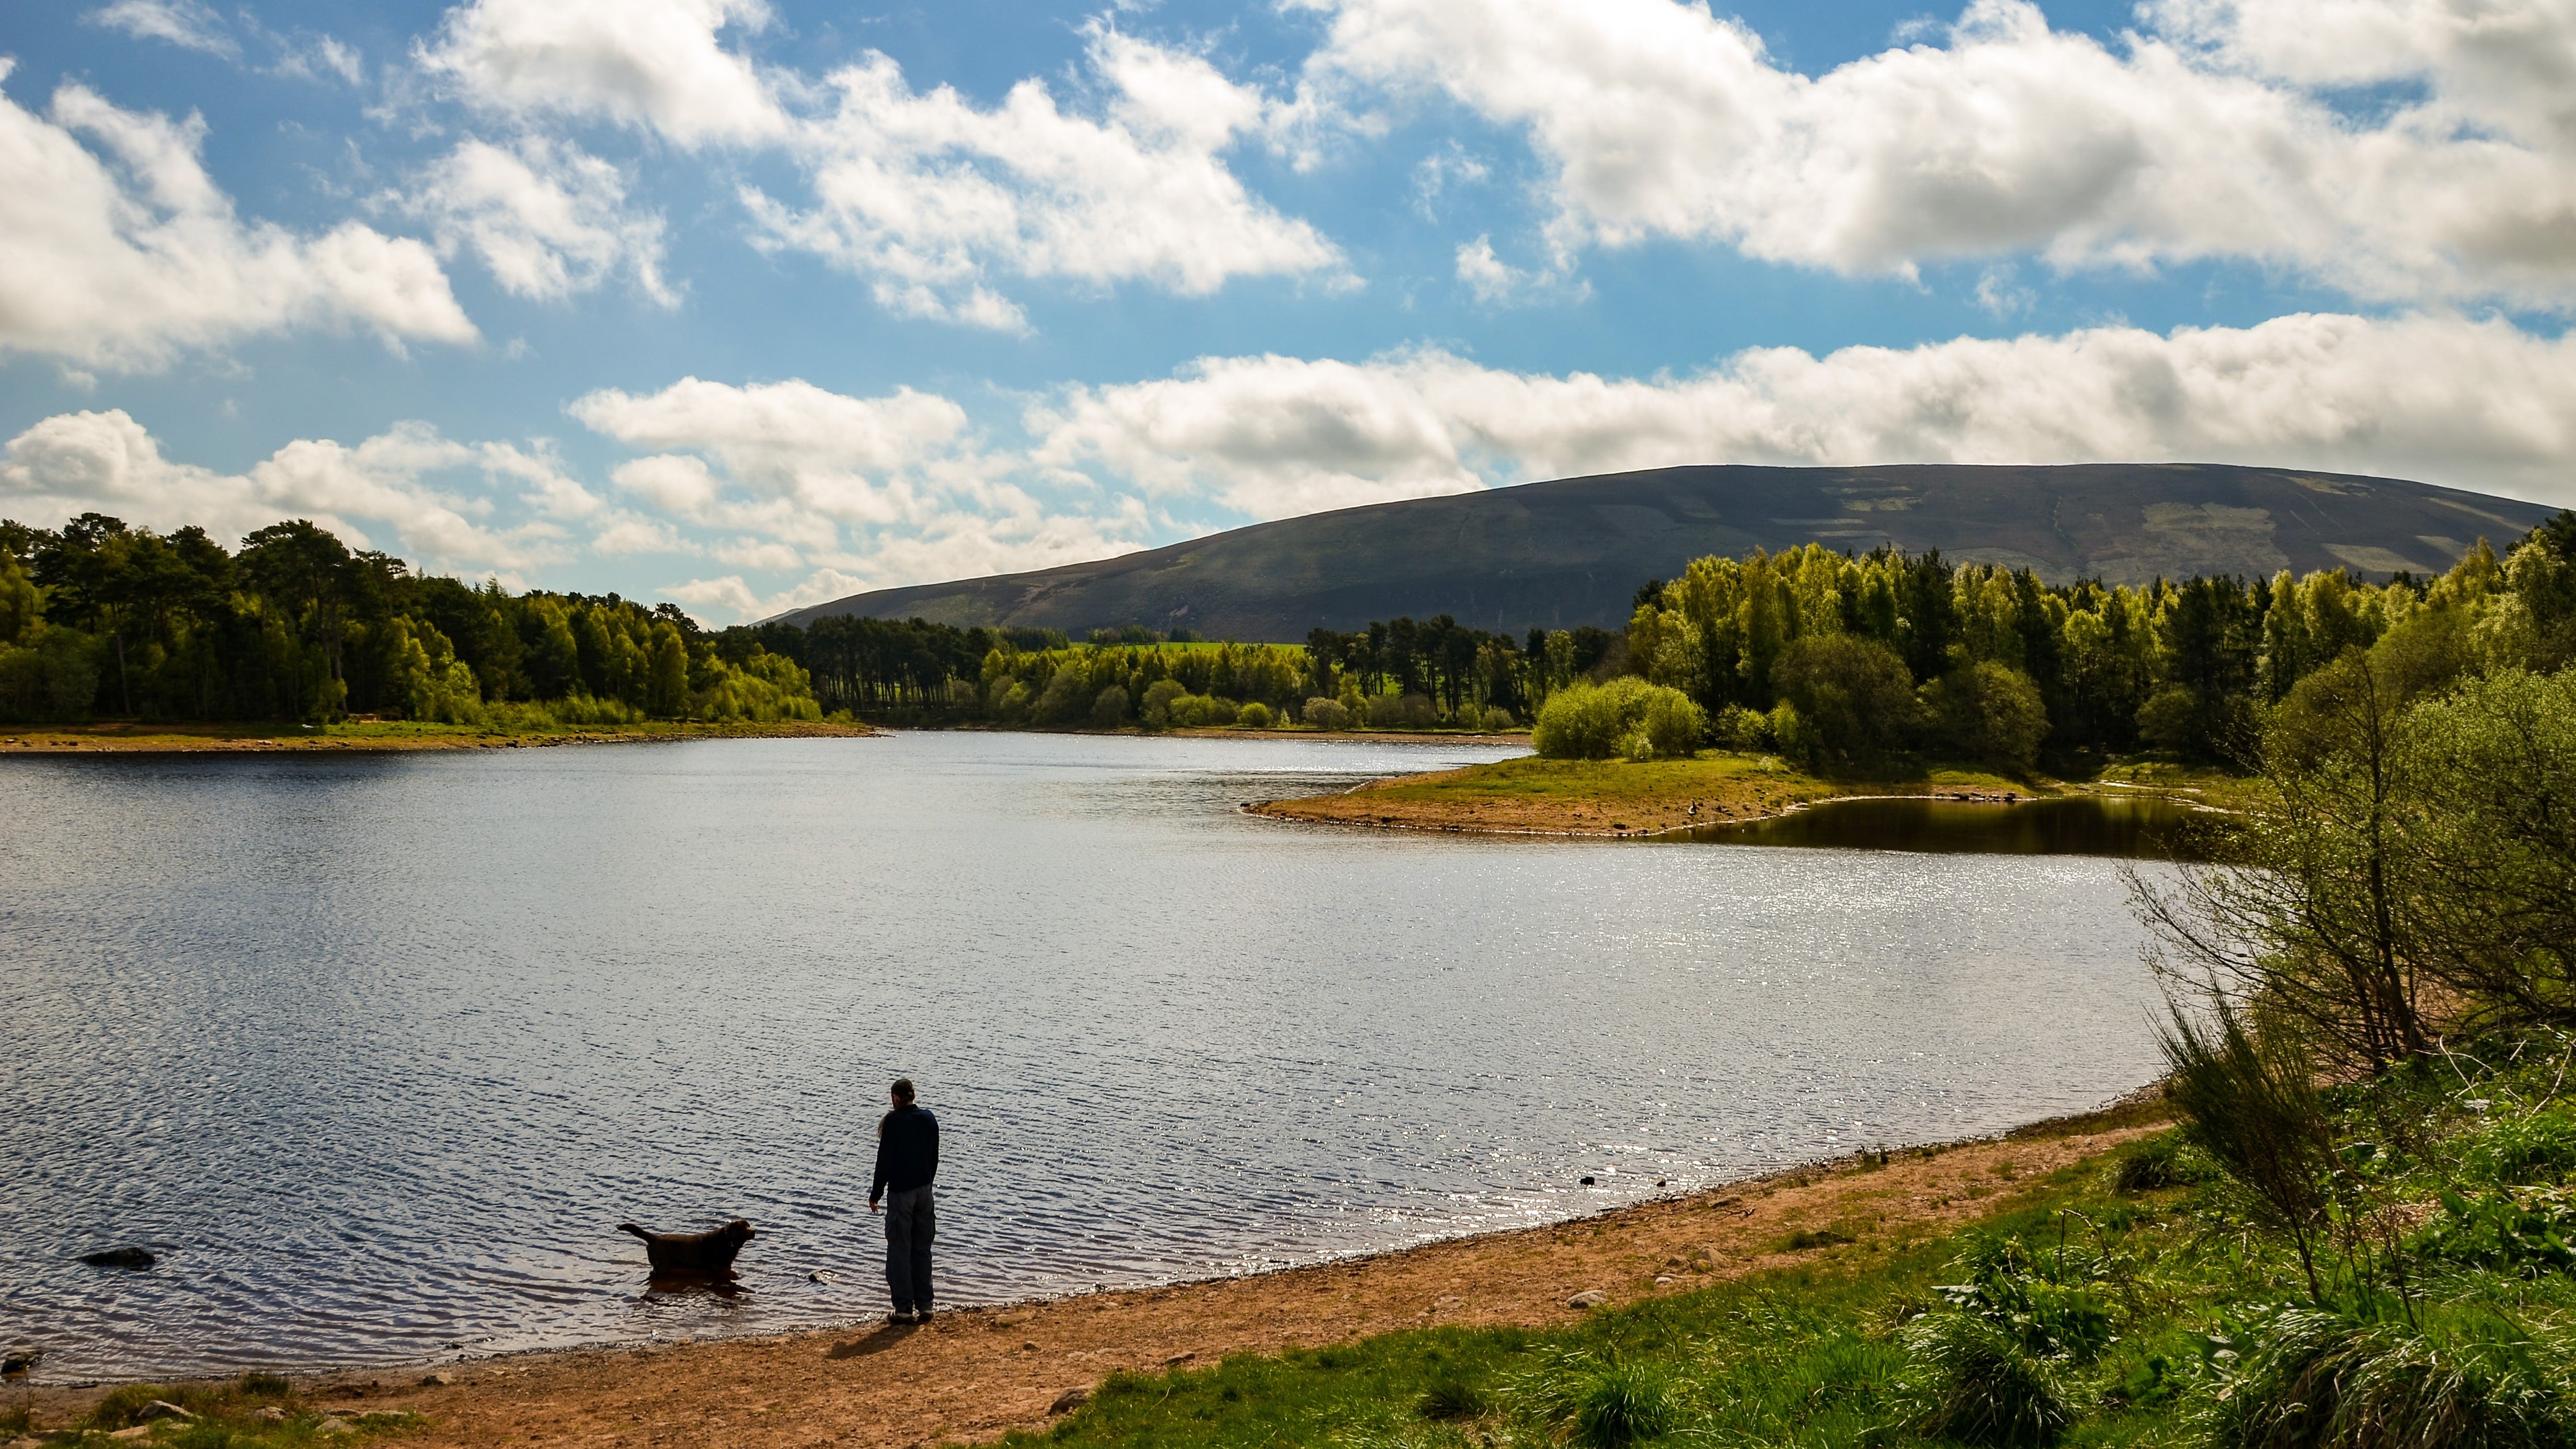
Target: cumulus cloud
{"points": [[653, 64], [929, 197], [2215, 135], [893, 489], [546, 217], [2475, 404], [73, 463], [127, 265]]}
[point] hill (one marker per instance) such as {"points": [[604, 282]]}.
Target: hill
{"points": [[1573, 551]]}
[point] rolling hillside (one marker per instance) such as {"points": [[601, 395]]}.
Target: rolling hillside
{"points": [[1574, 551]]}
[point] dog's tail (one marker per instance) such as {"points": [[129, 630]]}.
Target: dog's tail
{"points": [[639, 1232]]}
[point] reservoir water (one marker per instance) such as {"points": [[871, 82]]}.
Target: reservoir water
{"points": [[374, 1051]]}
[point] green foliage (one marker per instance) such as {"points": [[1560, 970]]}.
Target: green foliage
{"points": [[1987, 712], [134, 624], [1974, 1382], [1254, 716], [1625, 717], [1853, 699], [2326, 1377], [1600, 1401], [1327, 714]]}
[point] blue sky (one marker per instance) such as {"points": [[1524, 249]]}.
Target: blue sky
{"points": [[751, 304]]}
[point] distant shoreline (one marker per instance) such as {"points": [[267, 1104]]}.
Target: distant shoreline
{"points": [[371, 738]]}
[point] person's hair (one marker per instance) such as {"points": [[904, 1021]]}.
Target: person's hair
{"points": [[903, 1089]]}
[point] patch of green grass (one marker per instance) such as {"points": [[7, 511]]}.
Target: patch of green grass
{"points": [[230, 1416]]}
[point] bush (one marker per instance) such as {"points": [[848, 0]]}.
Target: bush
{"points": [[1974, 1382], [1602, 1404], [2524, 1148], [1327, 714], [1160, 696], [1498, 719], [1598, 722], [1738, 728], [1673, 725], [1254, 716], [1109, 708], [1988, 712], [2326, 1378], [2162, 1161]]}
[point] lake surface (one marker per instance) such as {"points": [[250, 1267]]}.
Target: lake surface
{"points": [[376, 1050], [2137, 827]]}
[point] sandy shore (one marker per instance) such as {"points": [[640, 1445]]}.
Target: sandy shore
{"points": [[186, 739], [977, 1373]]}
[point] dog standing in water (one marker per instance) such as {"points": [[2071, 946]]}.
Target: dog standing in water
{"points": [[710, 1253], [907, 1159]]}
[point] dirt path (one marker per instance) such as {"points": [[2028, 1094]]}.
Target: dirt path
{"points": [[974, 1374]]}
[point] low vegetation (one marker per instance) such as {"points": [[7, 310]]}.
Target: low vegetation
{"points": [[255, 1411]]}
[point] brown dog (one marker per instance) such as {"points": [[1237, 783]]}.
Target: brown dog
{"points": [[709, 1252]]}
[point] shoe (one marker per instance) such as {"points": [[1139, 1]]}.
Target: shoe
{"points": [[900, 1315], [922, 1317]]}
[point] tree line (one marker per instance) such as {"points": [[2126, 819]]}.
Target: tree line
{"points": [[100, 619], [1848, 660]]}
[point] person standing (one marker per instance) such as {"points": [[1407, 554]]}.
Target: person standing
{"points": [[907, 1159]]}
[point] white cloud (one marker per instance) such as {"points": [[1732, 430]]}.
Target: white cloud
{"points": [[656, 64], [315, 56], [548, 218], [929, 197], [2476, 404], [127, 267], [76, 462], [190, 24], [2212, 139]]}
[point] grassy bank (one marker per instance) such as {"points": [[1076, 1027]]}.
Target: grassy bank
{"points": [[1619, 797], [392, 735], [2136, 1298]]}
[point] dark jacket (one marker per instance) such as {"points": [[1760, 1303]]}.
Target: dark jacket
{"points": [[907, 1151]]}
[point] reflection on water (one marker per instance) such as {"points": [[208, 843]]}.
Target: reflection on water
{"points": [[375, 1052], [2144, 828]]}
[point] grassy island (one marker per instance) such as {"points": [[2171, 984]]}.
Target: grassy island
{"points": [[1536, 795]]}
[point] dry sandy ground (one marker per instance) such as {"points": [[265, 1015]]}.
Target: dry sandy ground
{"points": [[245, 739], [974, 1374]]}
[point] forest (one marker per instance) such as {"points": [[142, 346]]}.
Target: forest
{"points": [[102, 620]]}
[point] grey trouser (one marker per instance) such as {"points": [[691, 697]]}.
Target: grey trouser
{"points": [[909, 1226]]}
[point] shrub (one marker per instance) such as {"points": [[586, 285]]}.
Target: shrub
{"points": [[1974, 1382], [1601, 1403], [1109, 708], [1989, 712], [1254, 716], [1327, 714], [1156, 711], [2326, 1378], [1498, 719], [2162, 1161], [1673, 725], [1737, 728], [2251, 1104], [1597, 722]]}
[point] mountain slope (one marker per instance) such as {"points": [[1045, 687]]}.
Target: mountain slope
{"points": [[1574, 551]]}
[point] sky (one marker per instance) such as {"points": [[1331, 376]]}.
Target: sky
{"points": [[749, 304]]}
